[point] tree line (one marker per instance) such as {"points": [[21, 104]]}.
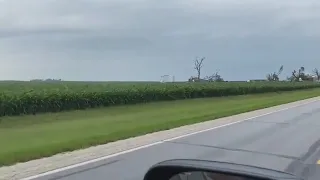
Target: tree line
{"points": [[296, 75]]}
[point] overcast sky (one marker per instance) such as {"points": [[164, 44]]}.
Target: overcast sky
{"points": [[144, 39]]}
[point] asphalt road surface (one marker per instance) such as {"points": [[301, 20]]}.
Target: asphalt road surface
{"points": [[287, 140]]}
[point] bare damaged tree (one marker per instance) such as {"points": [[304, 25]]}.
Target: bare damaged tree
{"points": [[275, 76], [198, 63], [316, 73], [214, 78], [298, 75]]}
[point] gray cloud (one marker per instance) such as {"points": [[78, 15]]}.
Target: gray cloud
{"points": [[143, 39]]}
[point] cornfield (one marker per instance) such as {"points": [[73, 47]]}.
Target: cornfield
{"points": [[19, 98]]}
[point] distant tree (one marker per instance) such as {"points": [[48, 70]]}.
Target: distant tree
{"points": [[47, 80], [290, 78], [36, 80], [216, 77], [316, 73], [300, 75], [198, 63], [275, 76], [193, 79]]}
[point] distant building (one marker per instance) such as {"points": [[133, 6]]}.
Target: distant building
{"points": [[257, 80], [196, 79], [167, 78], [313, 78], [236, 81]]}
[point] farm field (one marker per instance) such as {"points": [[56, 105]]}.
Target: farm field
{"points": [[18, 98]]}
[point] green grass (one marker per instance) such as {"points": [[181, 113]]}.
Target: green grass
{"points": [[28, 137]]}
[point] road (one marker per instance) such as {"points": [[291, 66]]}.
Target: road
{"points": [[287, 140]]}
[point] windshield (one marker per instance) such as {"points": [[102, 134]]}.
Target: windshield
{"points": [[104, 89]]}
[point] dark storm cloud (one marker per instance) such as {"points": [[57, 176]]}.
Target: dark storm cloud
{"points": [[143, 39]]}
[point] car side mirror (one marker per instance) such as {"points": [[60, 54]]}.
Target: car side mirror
{"points": [[180, 169]]}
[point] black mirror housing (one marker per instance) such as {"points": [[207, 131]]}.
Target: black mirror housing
{"points": [[167, 169]]}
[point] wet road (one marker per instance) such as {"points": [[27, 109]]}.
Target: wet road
{"points": [[287, 140]]}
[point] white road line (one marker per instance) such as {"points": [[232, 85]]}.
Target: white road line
{"points": [[155, 143]]}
